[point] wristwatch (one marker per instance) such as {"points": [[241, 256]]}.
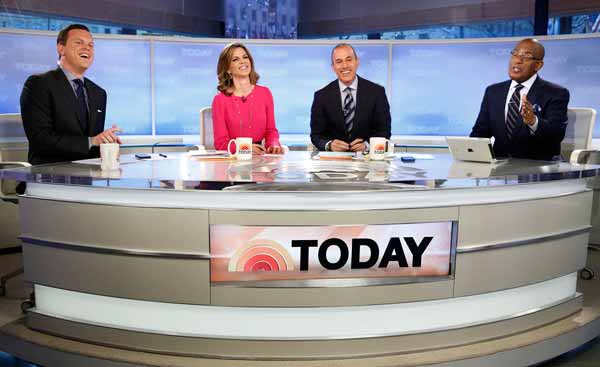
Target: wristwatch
{"points": [[328, 146]]}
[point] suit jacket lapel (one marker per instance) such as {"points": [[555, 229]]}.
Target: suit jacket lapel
{"points": [[359, 103], [500, 107], [92, 109], [534, 91], [67, 91]]}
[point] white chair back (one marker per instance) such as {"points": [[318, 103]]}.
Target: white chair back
{"points": [[580, 125], [585, 156], [11, 125], [206, 129]]}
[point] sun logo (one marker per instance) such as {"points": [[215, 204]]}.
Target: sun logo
{"points": [[261, 255], [379, 148], [244, 147]]}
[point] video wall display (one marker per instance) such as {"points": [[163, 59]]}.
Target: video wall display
{"points": [[437, 88], [121, 67], [434, 88], [186, 80]]}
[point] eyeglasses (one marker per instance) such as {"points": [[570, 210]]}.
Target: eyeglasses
{"points": [[524, 56]]}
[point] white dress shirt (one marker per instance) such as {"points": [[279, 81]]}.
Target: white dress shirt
{"points": [[526, 87], [353, 86]]}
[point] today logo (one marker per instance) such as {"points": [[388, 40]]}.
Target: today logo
{"points": [[393, 253], [379, 149], [266, 255], [244, 148], [261, 255]]}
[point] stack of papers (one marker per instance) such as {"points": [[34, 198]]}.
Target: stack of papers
{"points": [[209, 154], [336, 155]]}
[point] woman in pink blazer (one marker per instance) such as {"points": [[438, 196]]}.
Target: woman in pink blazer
{"points": [[242, 108]]}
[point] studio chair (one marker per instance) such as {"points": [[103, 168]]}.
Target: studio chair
{"points": [[578, 135], [206, 129], [590, 156], [9, 218]]}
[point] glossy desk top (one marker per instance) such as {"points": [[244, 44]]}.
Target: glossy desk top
{"points": [[299, 171]]}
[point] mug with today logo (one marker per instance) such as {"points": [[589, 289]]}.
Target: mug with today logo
{"points": [[243, 148], [379, 147]]}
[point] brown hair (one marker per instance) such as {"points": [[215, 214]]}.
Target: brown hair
{"points": [[225, 80], [63, 35]]}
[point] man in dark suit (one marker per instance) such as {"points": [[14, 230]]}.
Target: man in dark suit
{"points": [[526, 115], [63, 112], [350, 110]]}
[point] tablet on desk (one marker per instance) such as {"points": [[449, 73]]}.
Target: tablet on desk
{"points": [[471, 149]]}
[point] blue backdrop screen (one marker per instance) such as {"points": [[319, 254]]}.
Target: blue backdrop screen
{"points": [[186, 80], [185, 77], [21, 56], [121, 67], [435, 88]]}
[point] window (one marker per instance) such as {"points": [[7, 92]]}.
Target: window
{"points": [[574, 24], [508, 28], [46, 23]]}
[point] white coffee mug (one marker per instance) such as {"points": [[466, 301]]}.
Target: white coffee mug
{"points": [[243, 148], [378, 148], [109, 156]]}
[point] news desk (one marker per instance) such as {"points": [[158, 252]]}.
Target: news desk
{"points": [[303, 260]]}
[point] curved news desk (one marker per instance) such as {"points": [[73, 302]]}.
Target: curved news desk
{"points": [[301, 259]]}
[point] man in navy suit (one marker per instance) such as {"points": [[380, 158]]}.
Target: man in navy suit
{"points": [[350, 110], [63, 112], [526, 115]]}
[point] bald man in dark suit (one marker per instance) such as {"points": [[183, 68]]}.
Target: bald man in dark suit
{"points": [[526, 115]]}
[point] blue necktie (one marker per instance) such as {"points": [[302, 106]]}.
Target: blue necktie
{"points": [[82, 105], [349, 108], [512, 116]]}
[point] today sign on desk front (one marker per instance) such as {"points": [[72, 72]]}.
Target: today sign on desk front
{"points": [[262, 253]]}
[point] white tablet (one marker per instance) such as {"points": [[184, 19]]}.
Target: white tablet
{"points": [[471, 149]]}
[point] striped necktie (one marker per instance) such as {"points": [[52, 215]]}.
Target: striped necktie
{"points": [[349, 108], [513, 115]]}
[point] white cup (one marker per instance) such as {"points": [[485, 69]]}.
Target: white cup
{"points": [[109, 156], [243, 148], [390, 149], [378, 147], [112, 173]]}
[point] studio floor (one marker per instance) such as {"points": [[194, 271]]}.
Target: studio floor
{"points": [[587, 355]]}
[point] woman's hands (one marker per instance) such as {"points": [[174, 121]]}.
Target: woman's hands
{"points": [[259, 149]]}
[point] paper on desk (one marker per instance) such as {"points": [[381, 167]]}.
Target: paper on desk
{"points": [[207, 153], [335, 155]]}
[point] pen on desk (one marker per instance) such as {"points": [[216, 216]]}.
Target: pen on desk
{"points": [[162, 155]]}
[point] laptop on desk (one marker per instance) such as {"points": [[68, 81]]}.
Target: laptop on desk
{"points": [[472, 149]]}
